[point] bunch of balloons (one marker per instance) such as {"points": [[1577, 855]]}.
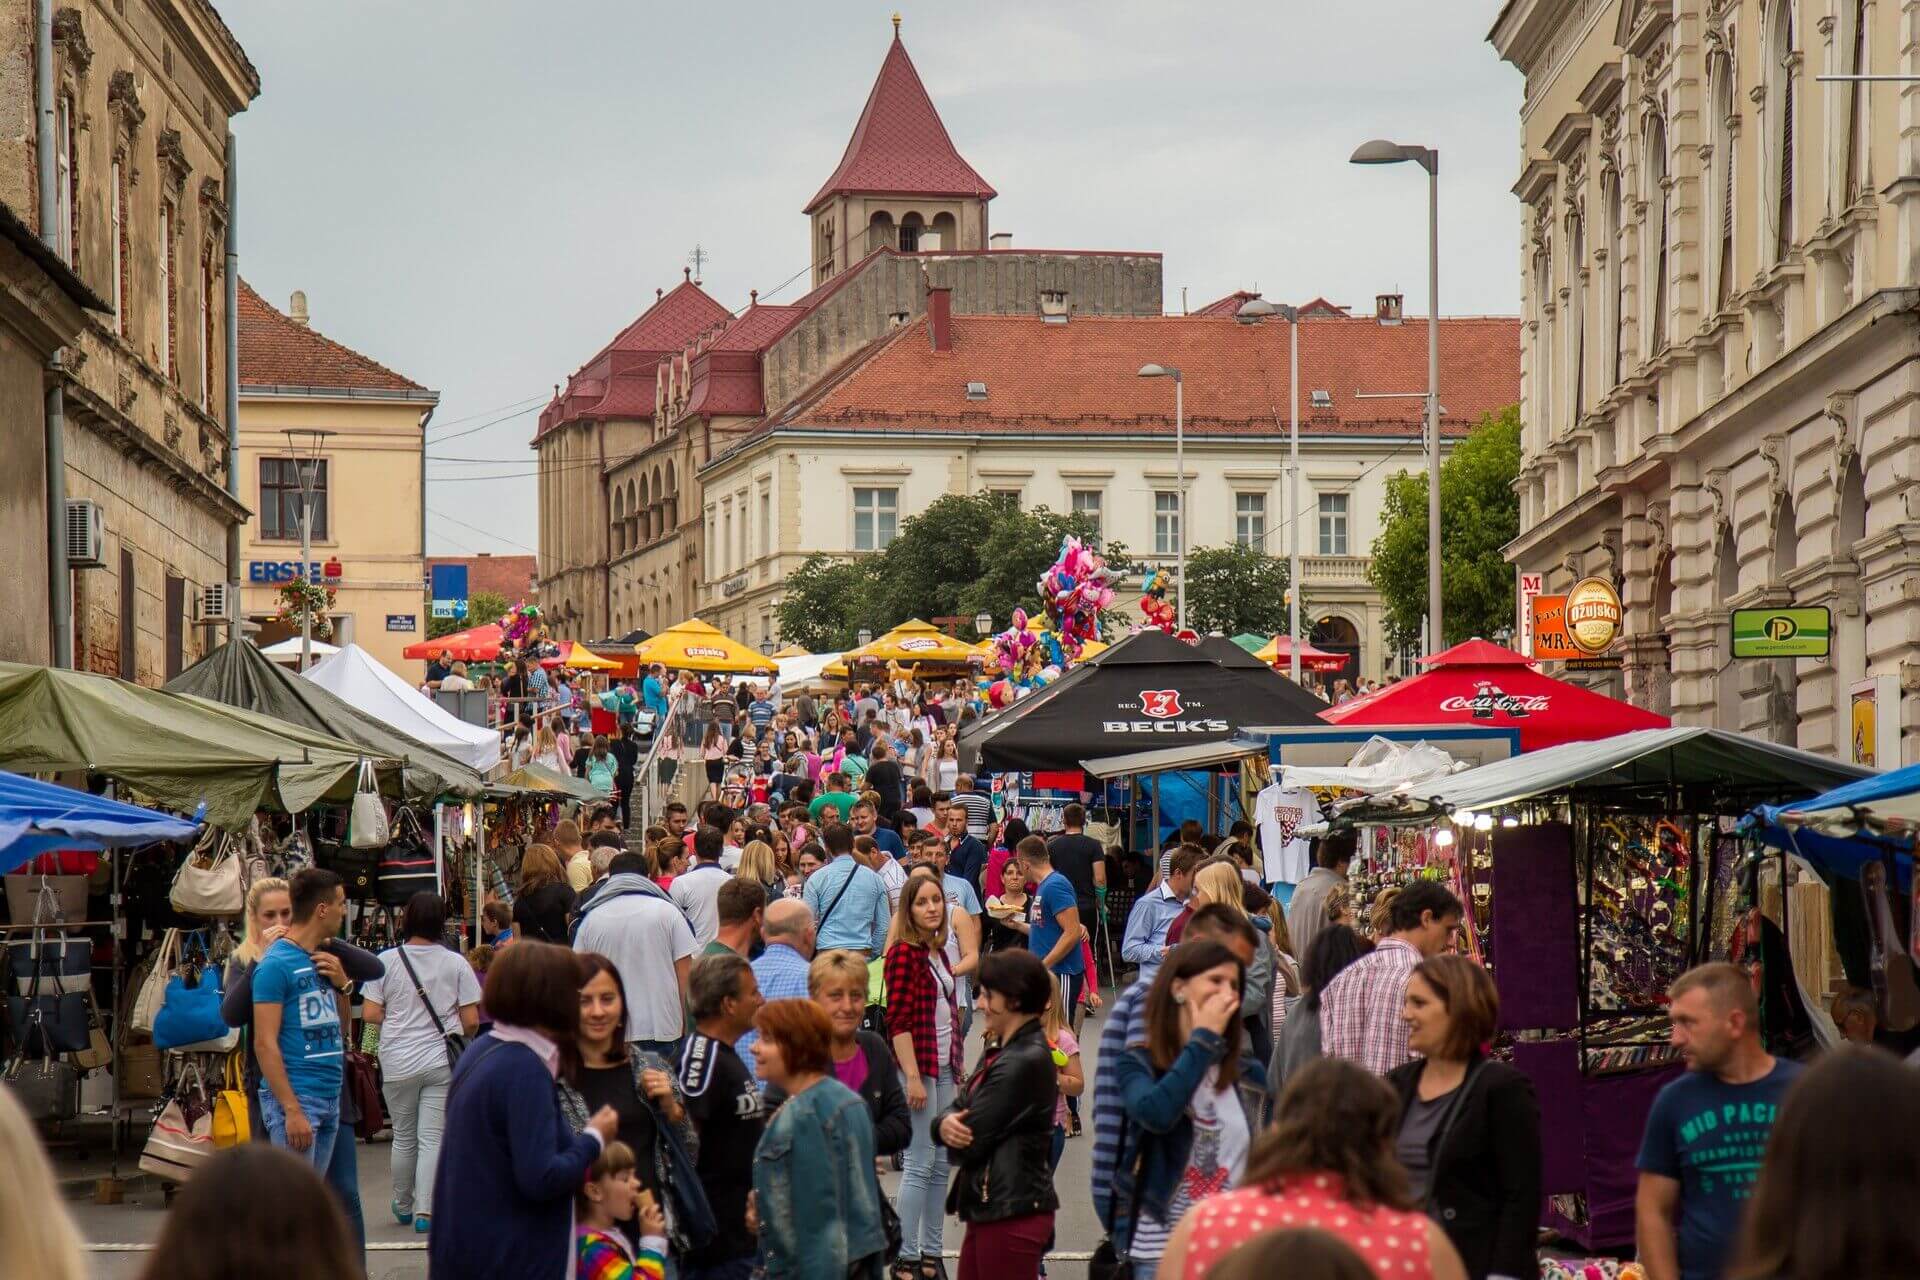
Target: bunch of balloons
{"points": [[1153, 601], [1073, 592], [520, 627], [1023, 660]]}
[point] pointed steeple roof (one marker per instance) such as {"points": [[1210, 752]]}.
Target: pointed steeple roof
{"points": [[900, 147]]}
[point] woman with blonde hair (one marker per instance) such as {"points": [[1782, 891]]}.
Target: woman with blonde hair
{"points": [[540, 908], [758, 865], [37, 1238]]}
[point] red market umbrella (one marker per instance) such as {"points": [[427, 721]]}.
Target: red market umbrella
{"points": [[476, 644], [1483, 684]]}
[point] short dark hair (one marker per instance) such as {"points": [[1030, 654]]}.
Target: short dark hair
{"points": [[713, 981], [628, 863], [607, 840], [1240, 829], [838, 837], [801, 1031], [1073, 816], [674, 806], [1018, 975], [1222, 920], [738, 899], [1034, 849], [536, 985], [1334, 948], [708, 841], [1471, 1000], [1417, 899], [1332, 850], [1186, 860], [720, 815], [310, 887], [425, 916], [811, 847]]}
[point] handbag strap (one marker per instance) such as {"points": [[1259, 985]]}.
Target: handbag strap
{"points": [[419, 990]]}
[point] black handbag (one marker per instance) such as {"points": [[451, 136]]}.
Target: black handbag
{"points": [[358, 869], [406, 864]]}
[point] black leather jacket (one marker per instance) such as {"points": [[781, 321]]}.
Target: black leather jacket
{"points": [[1005, 1172]]}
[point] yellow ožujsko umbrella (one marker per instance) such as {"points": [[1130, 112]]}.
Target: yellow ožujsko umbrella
{"points": [[914, 641], [792, 651], [694, 646]]}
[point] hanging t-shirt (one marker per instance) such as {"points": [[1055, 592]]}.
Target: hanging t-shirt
{"points": [[1280, 812]]}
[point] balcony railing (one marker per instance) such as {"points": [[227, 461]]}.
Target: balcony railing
{"points": [[1334, 570]]}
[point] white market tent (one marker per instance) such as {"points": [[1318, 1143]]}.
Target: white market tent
{"points": [[289, 650], [804, 672], [363, 682]]}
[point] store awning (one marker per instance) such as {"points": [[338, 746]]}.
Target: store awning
{"points": [[1711, 762], [577, 657], [1205, 755], [289, 650], [1842, 829], [475, 644], [38, 816], [239, 675], [176, 750], [694, 646], [1480, 683], [537, 777], [1278, 652]]}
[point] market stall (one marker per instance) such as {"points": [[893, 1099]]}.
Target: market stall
{"points": [[364, 683], [1594, 872], [914, 648], [1478, 682], [695, 646], [289, 650], [475, 644], [1278, 654]]}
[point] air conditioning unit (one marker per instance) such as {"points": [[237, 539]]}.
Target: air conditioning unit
{"points": [[216, 602], [86, 536]]}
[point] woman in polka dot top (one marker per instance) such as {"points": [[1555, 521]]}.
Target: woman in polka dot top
{"points": [[1327, 1162]]}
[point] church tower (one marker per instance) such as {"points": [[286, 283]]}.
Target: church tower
{"points": [[901, 182]]}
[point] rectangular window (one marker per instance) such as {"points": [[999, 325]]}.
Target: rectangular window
{"points": [[280, 499], [766, 523], [1250, 520], [876, 518], [1333, 524], [1086, 502], [1166, 522], [65, 180], [208, 282], [117, 198], [168, 297], [742, 561], [1009, 496], [176, 625], [129, 618], [726, 532]]}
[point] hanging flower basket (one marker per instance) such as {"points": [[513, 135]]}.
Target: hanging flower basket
{"points": [[301, 598]]}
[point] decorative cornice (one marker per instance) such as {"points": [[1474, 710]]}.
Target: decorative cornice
{"points": [[211, 205], [91, 413], [174, 165], [123, 101], [70, 39]]}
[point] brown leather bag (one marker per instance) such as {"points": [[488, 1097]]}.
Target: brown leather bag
{"points": [[363, 1082]]}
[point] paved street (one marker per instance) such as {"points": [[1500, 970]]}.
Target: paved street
{"points": [[395, 1253]]}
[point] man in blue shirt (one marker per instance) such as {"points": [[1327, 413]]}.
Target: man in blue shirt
{"points": [[653, 691], [763, 708], [1701, 1151], [966, 855], [782, 968], [848, 900], [296, 1024], [866, 822], [1145, 941], [1054, 930]]}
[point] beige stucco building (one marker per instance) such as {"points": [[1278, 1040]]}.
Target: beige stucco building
{"points": [[1719, 258], [143, 92], [368, 539]]}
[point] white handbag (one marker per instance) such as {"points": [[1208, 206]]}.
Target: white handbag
{"points": [[153, 991], [212, 889], [367, 829], [182, 1136]]}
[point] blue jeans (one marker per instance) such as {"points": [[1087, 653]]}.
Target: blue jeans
{"points": [[668, 1049], [343, 1175], [322, 1113], [923, 1186]]}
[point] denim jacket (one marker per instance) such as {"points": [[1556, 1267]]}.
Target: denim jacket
{"points": [[819, 1199], [1158, 1133]]}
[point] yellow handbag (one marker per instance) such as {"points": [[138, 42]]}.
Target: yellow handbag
{"points": [[231, 1127]]}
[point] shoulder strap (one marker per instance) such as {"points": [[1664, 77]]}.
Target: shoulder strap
{"points": [[844, 886], [420, 990]]}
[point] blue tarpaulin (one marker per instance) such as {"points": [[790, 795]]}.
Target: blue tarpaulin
{"points": [[36, 817], [1842, 829]]}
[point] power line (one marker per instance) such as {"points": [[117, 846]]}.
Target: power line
{"points": [[477, 529], [481, 413], [492, 422]]}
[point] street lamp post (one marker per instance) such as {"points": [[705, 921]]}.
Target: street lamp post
{"points": [[1252, 312], [306, 443], [1380, 152], [1180, 466]]}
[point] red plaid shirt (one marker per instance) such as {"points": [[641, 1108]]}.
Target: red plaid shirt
{"points": [[1360, 1010], [915, 1002]]}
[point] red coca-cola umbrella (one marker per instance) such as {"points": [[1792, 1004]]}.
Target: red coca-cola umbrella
{"points": [[1480, 683]]}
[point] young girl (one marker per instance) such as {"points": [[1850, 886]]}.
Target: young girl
{"points": [[611, 1195], [714, 752], [1066, 1061]]}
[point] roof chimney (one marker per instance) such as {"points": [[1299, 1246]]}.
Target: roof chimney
{"points": [[1386, 307], [297, 308], [1053, 306], [940, 316], [1000, 240]]}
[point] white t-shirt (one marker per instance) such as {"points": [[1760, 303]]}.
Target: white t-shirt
{"points": [[1285, 857], [730, 858], [410, 1045], [696, 891], [943, 981], [892, 875], [644, 937]]}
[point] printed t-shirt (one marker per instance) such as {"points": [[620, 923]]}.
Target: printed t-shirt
{"points": [[309, 1019], [725, 1105], [1054, 895]]}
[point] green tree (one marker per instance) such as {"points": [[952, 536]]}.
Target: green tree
{"points": [[1479, 516], [482, 607], [826, 602], [1237, 588]]}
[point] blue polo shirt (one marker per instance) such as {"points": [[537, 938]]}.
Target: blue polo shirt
{"points": [[858, 922], [890, 842]]}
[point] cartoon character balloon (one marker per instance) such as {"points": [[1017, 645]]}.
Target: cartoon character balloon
{"points": [[1153, 601], [1073, 593]]}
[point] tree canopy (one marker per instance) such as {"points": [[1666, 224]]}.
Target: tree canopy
{"points": [[1235, 589], [1479, 516]]}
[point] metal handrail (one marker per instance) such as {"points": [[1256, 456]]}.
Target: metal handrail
{"points": [[648, 775]]}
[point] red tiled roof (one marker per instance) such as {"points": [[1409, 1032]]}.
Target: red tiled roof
{"points": [[1083, 376], [755, 328], [619, 379], [900, 147], [277, 352], [1230, 305], [510, 576]]}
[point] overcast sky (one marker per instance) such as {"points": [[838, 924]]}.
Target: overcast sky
{"points": [[479, 193]]}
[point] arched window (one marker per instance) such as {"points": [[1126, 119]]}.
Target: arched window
{"points": [[634, 531], [1852, 523], [1781, 35], [910, 226], [1719, 184], [1786, 541], [1543, 344], [880, 231], [619, 522], [1658, 225], [947, 230], [1726, 586], [1857, 169], [1576, 321], [1616, 280]]}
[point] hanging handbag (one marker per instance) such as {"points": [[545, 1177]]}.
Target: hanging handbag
{"points": [[46, 1025], [232, 1126], [406, 864], [182, 1136], [208, 884], [456, 1042], [189, 1019], [56, 962], [153, 988], [358, 869], [99, 1051], [139, 1071], [367, 829], [363, 1082]]}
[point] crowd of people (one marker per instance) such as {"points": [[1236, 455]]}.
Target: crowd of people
{"points": [[697, 1050]]}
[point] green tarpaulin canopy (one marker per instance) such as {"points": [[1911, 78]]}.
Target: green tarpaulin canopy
{"points": [[239, 675], [537, 777], [178, 751], [1252, 643]]}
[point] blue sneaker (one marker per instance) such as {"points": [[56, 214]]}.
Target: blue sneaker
{"points": [[401, 1216], [422, 1225]]}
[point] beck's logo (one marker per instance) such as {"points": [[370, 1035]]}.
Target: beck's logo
{"points": [[1161, 704]]}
